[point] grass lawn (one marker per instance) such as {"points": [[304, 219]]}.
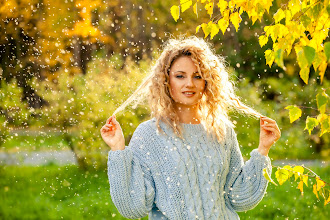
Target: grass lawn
{"points": [[29, 143], [52, 192]]}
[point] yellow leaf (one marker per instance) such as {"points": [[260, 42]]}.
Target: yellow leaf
{"points": [[253, 15], [288, 16], [197, 28], [270, 57], [325, 123], [195, 9], [207, 28], [267, 4], [327, 201], [185, 4], [317, 60], [315, 191], [222, 5], [223, 24], [305, 179], [274, 32], [322, 68], [322, 101], [311, 123], [301, 187], [240, 3], [299, 170], [282, 175], [231, 6], [289, 168], [282, 30], [263, 40], [214, 30], [304, 74], [175, 12], [294, 6], [294, 112], [279, 15], [209, 8], [279, 56], [235, 18], [320, 183], [266, 175]]}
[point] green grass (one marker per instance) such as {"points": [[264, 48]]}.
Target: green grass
{"points": [[54, 192], [35, 143]]}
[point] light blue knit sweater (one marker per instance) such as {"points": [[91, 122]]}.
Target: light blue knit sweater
{"points": [[197, 178]]}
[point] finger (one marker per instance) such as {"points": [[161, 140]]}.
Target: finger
{"points": [[112, 119], [270, 126], [109, 120], [262, 122], [269, 120], [115, 124], [273, 126], [272, 129], [104, 129]]}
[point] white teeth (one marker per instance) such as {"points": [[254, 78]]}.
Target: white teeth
{"points": [[188, 93]]}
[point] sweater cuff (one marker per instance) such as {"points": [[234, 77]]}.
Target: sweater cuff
{"points": [[119, 156], [261, 161]]}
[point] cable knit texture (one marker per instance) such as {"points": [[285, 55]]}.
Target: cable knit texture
{"points": [[165, 177]]}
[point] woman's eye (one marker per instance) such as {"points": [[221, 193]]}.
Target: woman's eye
{"points": [[198, 77], [179, 76]]}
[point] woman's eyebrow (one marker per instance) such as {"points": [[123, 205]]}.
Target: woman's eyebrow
{"points": [[180, 71]]}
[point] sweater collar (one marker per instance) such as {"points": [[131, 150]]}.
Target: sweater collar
{"points": [[192, 129], [189, 130]]}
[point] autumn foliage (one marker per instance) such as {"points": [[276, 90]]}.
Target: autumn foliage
{"points": [[298, 26]]}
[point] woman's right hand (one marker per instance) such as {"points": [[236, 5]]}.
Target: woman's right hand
{"points": [[112, 134]]}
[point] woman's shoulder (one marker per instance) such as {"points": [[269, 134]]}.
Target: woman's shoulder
{"points": [[147, 126], [146, 129], [145, 137]]}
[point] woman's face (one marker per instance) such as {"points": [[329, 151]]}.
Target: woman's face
{"points": [[187, 85]]}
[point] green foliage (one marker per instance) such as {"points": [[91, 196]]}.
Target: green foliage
{"points": [[3, 131], [13, 111], [284, 174], [302, 25], [39, 141], [270, 96], [311, 123], [79, 106], [327, 50]]}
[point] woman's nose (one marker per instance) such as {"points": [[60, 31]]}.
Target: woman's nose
{"points": [[190, 82]]}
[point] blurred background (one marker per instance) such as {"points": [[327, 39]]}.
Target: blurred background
{"points": [[66, 65]]}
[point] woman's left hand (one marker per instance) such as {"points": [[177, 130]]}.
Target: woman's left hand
{"points": [[269, 134]]}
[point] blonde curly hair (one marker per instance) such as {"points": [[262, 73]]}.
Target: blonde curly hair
{"points": [[218, 98]]}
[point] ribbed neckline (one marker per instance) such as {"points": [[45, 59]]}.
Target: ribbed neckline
{"points": [[192, 128]]}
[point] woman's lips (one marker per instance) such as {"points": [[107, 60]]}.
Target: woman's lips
{"points": [[189, 94]]}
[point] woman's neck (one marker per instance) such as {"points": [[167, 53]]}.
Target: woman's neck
{"points": [[188, 115]]}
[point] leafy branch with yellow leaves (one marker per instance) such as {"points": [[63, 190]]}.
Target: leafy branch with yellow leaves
{"points": [[302, 25], [285, 173]]}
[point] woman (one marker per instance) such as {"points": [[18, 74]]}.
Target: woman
{"points": [[185, 163]]}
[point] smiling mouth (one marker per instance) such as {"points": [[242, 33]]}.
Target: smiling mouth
{"points": [[189, 94]]}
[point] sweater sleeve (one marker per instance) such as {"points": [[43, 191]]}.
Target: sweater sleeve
{"points": [[132, 188], [245, 184]]}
